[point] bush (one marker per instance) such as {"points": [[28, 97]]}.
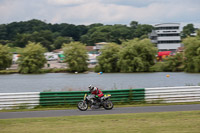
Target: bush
{"points": [[5, 57], [32, 59], [76, 56], [192, 54], [137, 56], [108, 59]]}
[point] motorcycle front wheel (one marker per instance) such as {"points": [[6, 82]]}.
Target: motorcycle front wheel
{"points": [[82, 106], [108, 105]]}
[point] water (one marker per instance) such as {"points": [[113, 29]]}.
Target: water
{"points": [[72, 82]]}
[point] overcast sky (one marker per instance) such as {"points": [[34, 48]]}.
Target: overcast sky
{"points": [[101, 11]]}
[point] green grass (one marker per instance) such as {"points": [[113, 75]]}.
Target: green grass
{"points": [[8, 71], [167, 122], [16, 49], [53, 70]]}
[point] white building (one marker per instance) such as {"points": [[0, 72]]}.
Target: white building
{"points": [[15, 58], [92, 58], [100, 45], [166, 36], [50, 56]]}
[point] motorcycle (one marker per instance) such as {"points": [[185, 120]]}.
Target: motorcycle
{"points": [[93, 103]]}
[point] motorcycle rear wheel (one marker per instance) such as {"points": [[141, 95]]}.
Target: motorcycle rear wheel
{"points": [[82, 106], [108, 105]]}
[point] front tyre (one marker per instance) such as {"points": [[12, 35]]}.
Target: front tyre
{"points": [[82, 106], [108, 105]]}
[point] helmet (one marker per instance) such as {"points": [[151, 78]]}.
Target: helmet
{"points": [[90, 88]]}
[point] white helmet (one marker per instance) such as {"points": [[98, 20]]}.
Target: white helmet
{"points": [[90, 88]]}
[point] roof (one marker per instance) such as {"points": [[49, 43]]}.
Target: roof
{"points": [[102, 43], [57, 50], [167, 24], [61, 55], [180, 49], [164, 53], [90, 48]]}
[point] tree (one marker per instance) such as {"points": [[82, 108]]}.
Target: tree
{"points": [[3, 32], [86, 39], [141, 30], [26, 27], [192, 54], [136, 56], [107, 61], [108, 33], [76, 56], [44, 37], [174, 63], [61, 40], [5, 57], [95, 25], [198, 34], [22, 39], [19, 33], [187, 30], [134, 24], [32, 58], [74, 31]]}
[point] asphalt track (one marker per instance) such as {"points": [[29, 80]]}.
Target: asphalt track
{"points": [[57, 113]]}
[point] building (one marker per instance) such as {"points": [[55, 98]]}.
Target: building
{"points": [[166, 36], [92, 54], [100, 45]]}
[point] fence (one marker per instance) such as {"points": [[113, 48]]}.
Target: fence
{"points": [[17, 100], [73, 97], [173, 94], [151, 95]]}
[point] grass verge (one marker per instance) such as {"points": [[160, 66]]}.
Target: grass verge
{"points": [[167, 122], [8, 71]]}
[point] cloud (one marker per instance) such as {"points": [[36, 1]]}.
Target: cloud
{"points": [[67, 2], [114, 13], [101, 11]]}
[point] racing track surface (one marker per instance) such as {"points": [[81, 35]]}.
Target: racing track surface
{"points": [[56, 113]]}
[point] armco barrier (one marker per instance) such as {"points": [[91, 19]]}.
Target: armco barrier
{"points": [[14, 100], [158, 95], [73, 97], [173, 94]]}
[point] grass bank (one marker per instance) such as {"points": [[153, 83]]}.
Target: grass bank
{"points": [[167, 122], [52, 70], [8, 71]]}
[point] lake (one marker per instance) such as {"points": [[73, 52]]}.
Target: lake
{"points": [[12, 83]]}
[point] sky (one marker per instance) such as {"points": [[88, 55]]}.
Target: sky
{"points": [[101, 11]]}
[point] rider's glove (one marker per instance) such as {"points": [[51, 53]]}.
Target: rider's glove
{"points": [[97, 96]]}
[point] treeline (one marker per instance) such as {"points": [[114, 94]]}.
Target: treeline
{"points": [[136, 55], [139, 56], [52, 36], [131, 56]]}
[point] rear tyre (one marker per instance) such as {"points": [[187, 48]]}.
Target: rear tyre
{"points": [[108, 105], [82, 106]]}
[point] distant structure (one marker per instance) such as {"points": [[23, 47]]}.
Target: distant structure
{"points": [[100, 45], [166, 36]]}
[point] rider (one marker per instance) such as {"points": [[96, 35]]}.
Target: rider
{"points": [[95, 91]]}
